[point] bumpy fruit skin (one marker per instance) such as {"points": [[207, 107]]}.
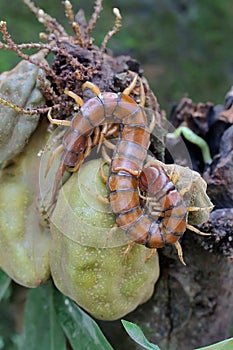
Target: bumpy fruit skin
{"points": [[24, 243], [194, 187], [86, 263], [22, 87]]}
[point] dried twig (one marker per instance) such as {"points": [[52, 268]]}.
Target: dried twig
{"points": [[49, 22], [114, 30], [93, 20], [11, 45], [75, 26], [23, 111], [47, 90]]}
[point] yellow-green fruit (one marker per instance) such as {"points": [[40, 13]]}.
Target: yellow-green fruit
{"points": [[87, 262], [24, 243]]}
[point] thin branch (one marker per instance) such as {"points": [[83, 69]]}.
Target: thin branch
{"points": [[24, 111], [114, 30], [47, 91], [94, 17], [49, 22], [11, 45], [75, 26]]}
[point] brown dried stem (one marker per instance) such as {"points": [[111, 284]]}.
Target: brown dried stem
{"points": [[49, 22], [23, 111], [75, 26], [48, 92], [93, 20], [11, 45], [114, 30]]}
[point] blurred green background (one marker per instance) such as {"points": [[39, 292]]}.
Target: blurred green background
{"points": [[184, 46]]}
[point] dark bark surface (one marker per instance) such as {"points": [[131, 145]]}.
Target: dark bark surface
{"points": [[191, 306]]}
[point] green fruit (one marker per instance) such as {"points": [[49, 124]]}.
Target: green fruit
{"points": [[24, 243], [87, 263], [22, 87]]}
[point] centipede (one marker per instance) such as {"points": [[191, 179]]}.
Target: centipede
{"points": [[126, 172]]}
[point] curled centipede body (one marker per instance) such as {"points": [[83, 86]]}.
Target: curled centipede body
{"points": [[172, 212], [125, 174]]}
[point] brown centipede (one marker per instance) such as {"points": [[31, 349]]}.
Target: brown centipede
{"points": [[107, 109], [126, 166]]}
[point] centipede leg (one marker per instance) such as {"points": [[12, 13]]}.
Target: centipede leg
{"points": [[130, 88], [149, 256], [107, 160], [132, 85], [105, 156], [91, 86], [96, 136], [57, 121], [109, 234], [198, 232], [127, 250], [102, 136], [190, 209], [180, 252], [112, 129], [76, 97], [104, 177], [54, 153], [58, 178]]}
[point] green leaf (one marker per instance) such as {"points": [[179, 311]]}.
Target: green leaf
{"points": [[222, 345], [41, 327], [138, 336], [4, 283], [81, 330]]}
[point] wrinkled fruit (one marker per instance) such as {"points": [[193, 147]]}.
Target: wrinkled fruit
{"points": [[24, 243], [87, 262]]}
